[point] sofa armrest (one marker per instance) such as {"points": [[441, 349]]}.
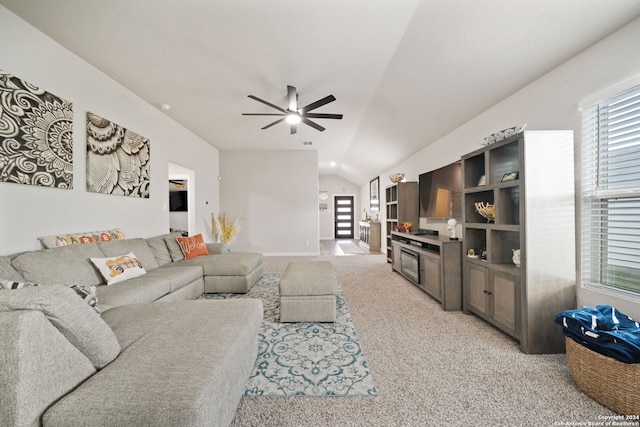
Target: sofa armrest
{"points": [[218, 248]]}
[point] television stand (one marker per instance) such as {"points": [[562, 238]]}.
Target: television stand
{"points": [[439, 261]]}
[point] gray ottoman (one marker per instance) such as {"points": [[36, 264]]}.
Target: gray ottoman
{"points": [[308, 292]]}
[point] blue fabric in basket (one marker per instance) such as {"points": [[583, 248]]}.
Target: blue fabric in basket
{"points": [[603, 329]]}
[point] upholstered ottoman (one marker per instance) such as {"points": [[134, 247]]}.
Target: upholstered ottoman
{"points": [[308, 292]]}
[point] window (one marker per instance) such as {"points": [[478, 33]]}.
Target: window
{"points": [[611, 192]]}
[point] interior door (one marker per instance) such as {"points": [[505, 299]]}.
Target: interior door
{"points": [[344, 217]]}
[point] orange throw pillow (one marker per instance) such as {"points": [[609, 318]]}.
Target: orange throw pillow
{"points": [[192, 246]]}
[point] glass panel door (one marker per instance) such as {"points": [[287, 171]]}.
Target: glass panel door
{"points": [[344, 217]]}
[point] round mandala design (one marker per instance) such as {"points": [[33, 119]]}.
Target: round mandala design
{"points": [[48, 131]]}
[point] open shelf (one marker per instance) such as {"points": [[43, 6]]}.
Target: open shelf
{"points": [[504, 159], [474, 169], [508, 205], [471, 215]]}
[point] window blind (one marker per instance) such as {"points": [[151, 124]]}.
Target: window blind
{"points": [[611, 192]]}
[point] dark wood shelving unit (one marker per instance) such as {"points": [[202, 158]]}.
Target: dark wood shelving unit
{"points": [[530, 211], [401, 206]]}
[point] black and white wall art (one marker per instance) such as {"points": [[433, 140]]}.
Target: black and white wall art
{"points": [[117, 159], [36, 135]]}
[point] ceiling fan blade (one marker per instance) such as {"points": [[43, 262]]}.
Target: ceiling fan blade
{"points": [[323, 116], [319, 103], [312, 124], [293, 98], [274, 123], [263, 114], [268, 103]]}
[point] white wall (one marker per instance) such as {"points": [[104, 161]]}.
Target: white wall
{"points": [[551, 103], [337, 186], [29, 211], [276, 195]]}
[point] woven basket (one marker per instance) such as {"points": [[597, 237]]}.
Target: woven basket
{"points": [[609, 382]]}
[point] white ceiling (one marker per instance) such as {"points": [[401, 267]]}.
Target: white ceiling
{"points": [[404, 72]]}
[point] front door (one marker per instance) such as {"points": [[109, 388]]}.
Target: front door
{"points": [[344, 222]]}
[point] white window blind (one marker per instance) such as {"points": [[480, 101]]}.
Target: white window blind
{"points": [[611, 192]]}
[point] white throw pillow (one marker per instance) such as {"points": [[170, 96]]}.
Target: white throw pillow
{"points": [[119, 268]]}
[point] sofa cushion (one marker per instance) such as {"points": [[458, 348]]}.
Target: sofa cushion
{"points": [[7, 271], [147, 288], [66, 265], [81, 325], [230, 264], [119, 268], [137, 246], [218, 248], [193, 247], [39, 366], [173, 246], [159, 249], [179, 276]]}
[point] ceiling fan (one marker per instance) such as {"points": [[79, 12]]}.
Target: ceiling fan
{"points": [[294, 115]]}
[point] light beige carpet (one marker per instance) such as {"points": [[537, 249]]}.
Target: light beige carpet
{"points": [[432, 368]]}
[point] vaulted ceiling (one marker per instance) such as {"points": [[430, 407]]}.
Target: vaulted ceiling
{"points": [[404, 72]]}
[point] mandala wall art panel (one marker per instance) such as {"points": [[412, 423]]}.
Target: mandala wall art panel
{"points": [[117, 159], [36, 135]]}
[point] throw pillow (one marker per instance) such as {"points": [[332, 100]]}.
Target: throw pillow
{"points": [[119, 268], [83, 327], [66, 239], [12, 284], [174, 248], [192, 246], [87, 293]]}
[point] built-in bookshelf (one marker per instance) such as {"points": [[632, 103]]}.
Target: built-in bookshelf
{"points": [[401, 206], [529, 180]]}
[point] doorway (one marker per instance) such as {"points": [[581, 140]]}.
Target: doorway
{"points": [[343, 206], [182, 179]]}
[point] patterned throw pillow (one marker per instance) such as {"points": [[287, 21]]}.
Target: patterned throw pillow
{"points": [[11, 284], [119, 268], [87, 293], [192, 246], [57, 240]]}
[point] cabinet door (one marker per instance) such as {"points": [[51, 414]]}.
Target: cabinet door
{"points": [[430, 279], [395, 256], [477, 283], [505, 302]]}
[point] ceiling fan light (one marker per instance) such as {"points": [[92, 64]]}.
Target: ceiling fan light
{"points": [[293, 118]]}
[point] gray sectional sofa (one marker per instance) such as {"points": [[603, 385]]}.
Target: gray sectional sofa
{"points": [[153, 356]]}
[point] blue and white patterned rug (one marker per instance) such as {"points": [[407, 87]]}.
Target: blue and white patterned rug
{"points": [[305, 359]]}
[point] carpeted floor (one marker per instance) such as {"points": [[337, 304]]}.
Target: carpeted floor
{"points": [[432, 368]]}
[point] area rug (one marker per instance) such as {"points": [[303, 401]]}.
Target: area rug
{"points": [[305, 359], [350, 248]]}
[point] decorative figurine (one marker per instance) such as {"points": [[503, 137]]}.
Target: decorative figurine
{"points": [[451, 225], [516, 257]]}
